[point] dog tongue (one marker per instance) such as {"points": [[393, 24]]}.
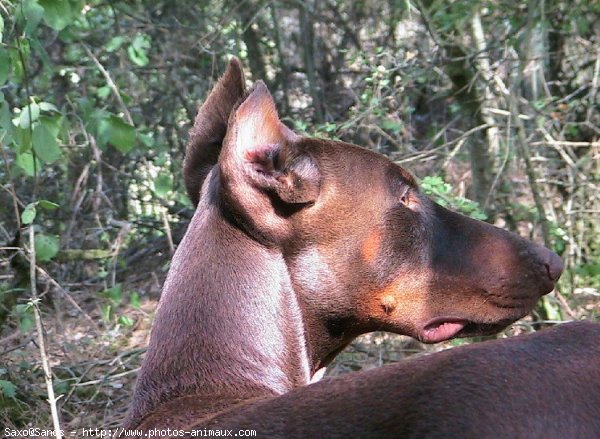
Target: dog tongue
{"points": [[441, 330]]}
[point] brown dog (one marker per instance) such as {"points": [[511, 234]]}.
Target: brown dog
{"points": [[299, 245], [541, 386]]}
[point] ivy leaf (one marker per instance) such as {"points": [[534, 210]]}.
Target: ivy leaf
{"points": [[46, 246], [8, 389], [28, 214], [4, 62], [45, 144], [57, 13]]}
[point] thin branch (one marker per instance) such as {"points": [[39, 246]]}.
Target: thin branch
{"points": [[40, 335], [165, 216], [66, 295], [125, 227], [111, 84]]}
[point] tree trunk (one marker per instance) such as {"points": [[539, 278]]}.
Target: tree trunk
{"points": [[463, 76], [307, 38], [252, 41]]}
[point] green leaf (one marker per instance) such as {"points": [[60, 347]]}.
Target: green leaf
{"points": [[103, 92], [114, 294], [26, 323], [28, 214], [7, 128], [45, 144], [52, 123], [22, 140], [163, 184], [48, 107], [49, 205], [435, 185], [391, 125], [138, 50], [1, 27], [107, 312], [134, 300], [24, 312], [114, 44], [33, 13], [15, 58], [27, 117], [26, 163], [60, 387], [117, 132], [126, 321], [46, 246], [40, 50], [8, 389], [4, 64], [147, 140], [57, 13]]}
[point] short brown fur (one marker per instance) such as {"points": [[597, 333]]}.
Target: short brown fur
{"points": [[272, 280]]}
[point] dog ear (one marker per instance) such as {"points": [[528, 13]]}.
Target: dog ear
{"points": [[210, 126], [262, 150]]}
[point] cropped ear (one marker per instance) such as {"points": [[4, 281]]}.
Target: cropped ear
{"points": [[210, 126], [261, 153]]}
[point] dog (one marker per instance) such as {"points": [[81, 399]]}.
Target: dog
{"points": [[299, 245]]}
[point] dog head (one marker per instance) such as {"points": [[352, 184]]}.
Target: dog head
{"points": [[365, 248]]}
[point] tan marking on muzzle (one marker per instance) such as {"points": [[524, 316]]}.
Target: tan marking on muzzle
{"points": [[388, 303], [403, 298], [371, 246]]}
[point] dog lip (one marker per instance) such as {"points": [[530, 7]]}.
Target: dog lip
{"points": [[442, 328]]}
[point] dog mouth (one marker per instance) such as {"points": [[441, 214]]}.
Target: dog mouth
{"points": [[441, 329], [447, 328]]}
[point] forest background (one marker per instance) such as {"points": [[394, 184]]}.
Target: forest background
{"points": [[492, 104]]}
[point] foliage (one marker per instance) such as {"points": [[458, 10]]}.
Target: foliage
{"points": [[441, 191], [96, 99]]}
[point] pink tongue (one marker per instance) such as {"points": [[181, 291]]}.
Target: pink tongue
{"points": [[441, 332]]}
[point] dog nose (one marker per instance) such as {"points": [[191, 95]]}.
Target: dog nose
{"points": [[553, 262], [555, 266]]}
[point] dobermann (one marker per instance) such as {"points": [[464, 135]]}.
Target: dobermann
{"points": [[297, 246], [541, 386]]}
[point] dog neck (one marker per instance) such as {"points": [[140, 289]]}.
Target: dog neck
{"points": [[327, 305], [228, 318]]}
